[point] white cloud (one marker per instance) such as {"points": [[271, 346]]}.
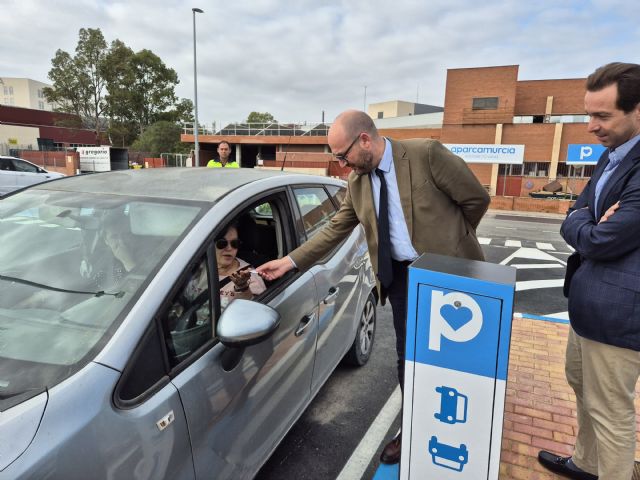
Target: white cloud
{"points": [[296, 59]]}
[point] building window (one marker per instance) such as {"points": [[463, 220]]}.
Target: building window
{"points": [[575, 171], [485, 103], [523, 119], [40, 95], [569, 119], [510, 169], [380, 114], [536, 169], [40, 104], [538, 119]]}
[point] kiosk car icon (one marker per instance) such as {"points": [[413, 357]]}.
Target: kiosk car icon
{"points": [[451, 410], [448, 456]]}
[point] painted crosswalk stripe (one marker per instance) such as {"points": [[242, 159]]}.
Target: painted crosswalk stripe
{"points": [[531, 266], [544, 246], [513, 243], [536, 284], [484, 240]]}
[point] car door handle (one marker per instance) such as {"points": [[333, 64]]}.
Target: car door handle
{"points": [[331, 297], [304, 323]]}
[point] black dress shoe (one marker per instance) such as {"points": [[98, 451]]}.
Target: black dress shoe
{"points": [[562, 466], [391, 452]]}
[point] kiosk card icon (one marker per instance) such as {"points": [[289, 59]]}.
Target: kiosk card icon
{"points": [[453, 405], [448, 456]]}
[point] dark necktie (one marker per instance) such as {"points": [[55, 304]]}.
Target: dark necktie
{"points": [[385, 274]]}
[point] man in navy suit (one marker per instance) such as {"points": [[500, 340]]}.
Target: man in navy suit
{"points": [[603, 283]]}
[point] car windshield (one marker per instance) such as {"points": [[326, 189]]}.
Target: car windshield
{"points": [[70, 265]]}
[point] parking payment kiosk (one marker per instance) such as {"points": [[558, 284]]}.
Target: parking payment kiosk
{"points": [[459, 316]]}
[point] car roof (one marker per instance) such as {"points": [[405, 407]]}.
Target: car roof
{"points": [[199, 184]]}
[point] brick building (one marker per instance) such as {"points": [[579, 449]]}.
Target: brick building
{"points": [[491, 106], [485, 105]]}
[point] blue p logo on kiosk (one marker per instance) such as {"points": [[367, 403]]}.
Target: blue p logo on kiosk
{"points": [[459, 316]]}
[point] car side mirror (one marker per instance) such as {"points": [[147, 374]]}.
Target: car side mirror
{"points": [[245, 323]]}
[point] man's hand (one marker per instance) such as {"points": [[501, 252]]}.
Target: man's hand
{"points": [[609, 212], [275, 268]]}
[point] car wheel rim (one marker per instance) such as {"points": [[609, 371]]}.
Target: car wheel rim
{"points": [[367, 325]]}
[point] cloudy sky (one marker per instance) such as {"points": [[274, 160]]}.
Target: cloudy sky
{"points": [[296, 59]]}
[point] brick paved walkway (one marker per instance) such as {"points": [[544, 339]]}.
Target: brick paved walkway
{"points": [[540, 408]]}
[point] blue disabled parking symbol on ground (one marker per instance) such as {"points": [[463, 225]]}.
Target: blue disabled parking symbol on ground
{"points": [[453, 406]]}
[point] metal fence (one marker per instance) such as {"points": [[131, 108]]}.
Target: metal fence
{"points": [[261, 129], [12, 150]]}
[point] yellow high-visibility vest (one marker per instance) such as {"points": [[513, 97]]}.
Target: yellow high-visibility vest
{"points": [[216, 164]]}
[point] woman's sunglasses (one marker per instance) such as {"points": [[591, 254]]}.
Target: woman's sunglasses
{"points": [[222, 243]]}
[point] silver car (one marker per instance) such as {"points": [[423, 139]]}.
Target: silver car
{"points": [[106, 371], [16, 173]]}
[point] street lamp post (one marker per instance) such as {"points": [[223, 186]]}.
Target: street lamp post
{"points": [[195, 88]]}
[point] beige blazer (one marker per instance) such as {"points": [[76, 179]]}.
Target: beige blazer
{"points": [[441, 198]]}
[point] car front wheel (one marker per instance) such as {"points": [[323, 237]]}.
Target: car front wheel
{"points": [[360, 351]]}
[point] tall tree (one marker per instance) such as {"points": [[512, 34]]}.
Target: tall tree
{"points": [[161, 137], [141, 87], [78, 81], [258, 117]]}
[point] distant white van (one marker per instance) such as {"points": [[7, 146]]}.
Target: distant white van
{"points": [[16, 173]]}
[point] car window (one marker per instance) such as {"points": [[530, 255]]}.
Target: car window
{"points": [[188, 322], [337, 194], [71, 265], [6, 164], [316, 208], [21, 166]]}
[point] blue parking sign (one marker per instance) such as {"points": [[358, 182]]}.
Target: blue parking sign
{"points": [[584, 154]]}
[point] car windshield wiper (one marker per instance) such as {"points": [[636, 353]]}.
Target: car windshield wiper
{"points": [[56, 289]]}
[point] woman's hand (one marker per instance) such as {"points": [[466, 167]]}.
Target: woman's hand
{"points": [[240, 279]]}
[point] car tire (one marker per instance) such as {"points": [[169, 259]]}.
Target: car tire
{"points": [[362, 347]]}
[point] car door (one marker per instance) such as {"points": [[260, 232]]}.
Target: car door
{"points": [[338, 278], [7, 176], [27, 173], [240, 402]]}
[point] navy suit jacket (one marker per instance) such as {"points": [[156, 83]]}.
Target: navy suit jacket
{"points": [[604, 295]]}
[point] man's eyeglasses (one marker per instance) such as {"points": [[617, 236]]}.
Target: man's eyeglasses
{"points": [[222, 243], [343, 156]]}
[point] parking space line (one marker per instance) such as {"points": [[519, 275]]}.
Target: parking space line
{"points": [[484, 240], [544, 246], [513, 243], [366, 449]]}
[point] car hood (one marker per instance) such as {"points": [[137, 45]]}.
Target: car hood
{"points": [[18, 426]]}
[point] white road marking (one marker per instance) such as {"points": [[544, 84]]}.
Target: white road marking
{"points": [[525, 266], [513, 243], [366, 449], [484, 241], [544, 246], [535, 284], [506, 228], [532, 254]]}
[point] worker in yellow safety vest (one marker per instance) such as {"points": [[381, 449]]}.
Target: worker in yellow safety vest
{"points": [[224, 151]]}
